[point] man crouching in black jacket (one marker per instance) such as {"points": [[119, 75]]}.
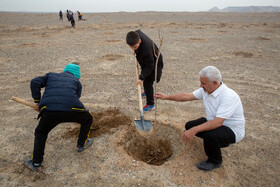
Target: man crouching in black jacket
{"points": [[60, 103], [146, 52]]}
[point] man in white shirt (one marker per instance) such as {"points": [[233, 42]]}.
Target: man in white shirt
{"points": [[224, 123]]}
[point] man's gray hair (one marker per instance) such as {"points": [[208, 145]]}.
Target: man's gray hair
{"points": [[212, 73]]}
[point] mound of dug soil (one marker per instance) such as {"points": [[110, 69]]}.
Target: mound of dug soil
{"points": [[105, 122]]}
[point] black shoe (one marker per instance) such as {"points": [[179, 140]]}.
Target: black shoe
{"points": [[89, 142], [30, 165], [208, 166]]}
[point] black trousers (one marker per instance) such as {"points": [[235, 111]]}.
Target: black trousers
{"points": [[73, 23], [149, 90], [50, 119], [213, 140]]}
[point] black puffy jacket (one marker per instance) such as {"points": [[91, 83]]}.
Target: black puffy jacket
{"points": [[62, 92]]}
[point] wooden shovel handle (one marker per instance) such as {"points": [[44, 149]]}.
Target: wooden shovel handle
{"points": [[138, 86], [21, 101]]}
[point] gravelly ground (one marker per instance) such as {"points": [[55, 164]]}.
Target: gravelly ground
{"points": [[245, 47]]}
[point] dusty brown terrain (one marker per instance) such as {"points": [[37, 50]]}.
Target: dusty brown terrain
{"points": [[245, 47]]}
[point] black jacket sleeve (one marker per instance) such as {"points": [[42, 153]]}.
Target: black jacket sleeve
{"points": [[35, 85]]}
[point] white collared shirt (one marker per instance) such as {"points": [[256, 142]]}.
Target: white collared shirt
{"points": [[224, 103]]}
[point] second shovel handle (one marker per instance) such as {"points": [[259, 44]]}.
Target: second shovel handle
{"points": [[26, 103]]}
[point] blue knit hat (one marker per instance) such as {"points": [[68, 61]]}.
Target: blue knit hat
{"points": [[74, 69]]}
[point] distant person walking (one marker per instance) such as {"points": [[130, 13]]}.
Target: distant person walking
{"points": [[80, 16], [60, 15], [68, 15], [72, 20]]}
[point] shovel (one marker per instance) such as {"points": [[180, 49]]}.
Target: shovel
{"points": [[26, 103], [142, 124]]}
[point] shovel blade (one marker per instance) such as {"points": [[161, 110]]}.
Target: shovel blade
{"points": [[143, 125]]}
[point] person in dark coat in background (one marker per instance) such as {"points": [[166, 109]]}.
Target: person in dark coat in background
{"points": [[68, 15], [60, 15], [60, 103], [72, 20], [71, 17], [80, 16], [146, 52]]}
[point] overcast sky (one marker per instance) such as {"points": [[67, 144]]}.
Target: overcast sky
{"points": [[126, 5]]}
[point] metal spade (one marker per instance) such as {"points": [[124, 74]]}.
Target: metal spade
{"points": [[142, 124]]}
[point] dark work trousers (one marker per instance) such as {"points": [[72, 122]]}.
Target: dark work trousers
{"points": [[213, 140], [73, 23], [149, 90], [50, 119]]}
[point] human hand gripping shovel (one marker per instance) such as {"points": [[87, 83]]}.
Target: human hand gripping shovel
{"points": [[142, 124]]}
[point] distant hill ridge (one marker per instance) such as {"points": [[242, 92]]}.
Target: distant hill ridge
{"points": [[247, 9]]}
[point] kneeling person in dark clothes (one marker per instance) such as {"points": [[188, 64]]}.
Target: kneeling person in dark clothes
{"points": [[146, 52], [60, 103], [224, 123]]}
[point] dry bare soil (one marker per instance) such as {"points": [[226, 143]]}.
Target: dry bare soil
{"points": [[245, 47]]}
